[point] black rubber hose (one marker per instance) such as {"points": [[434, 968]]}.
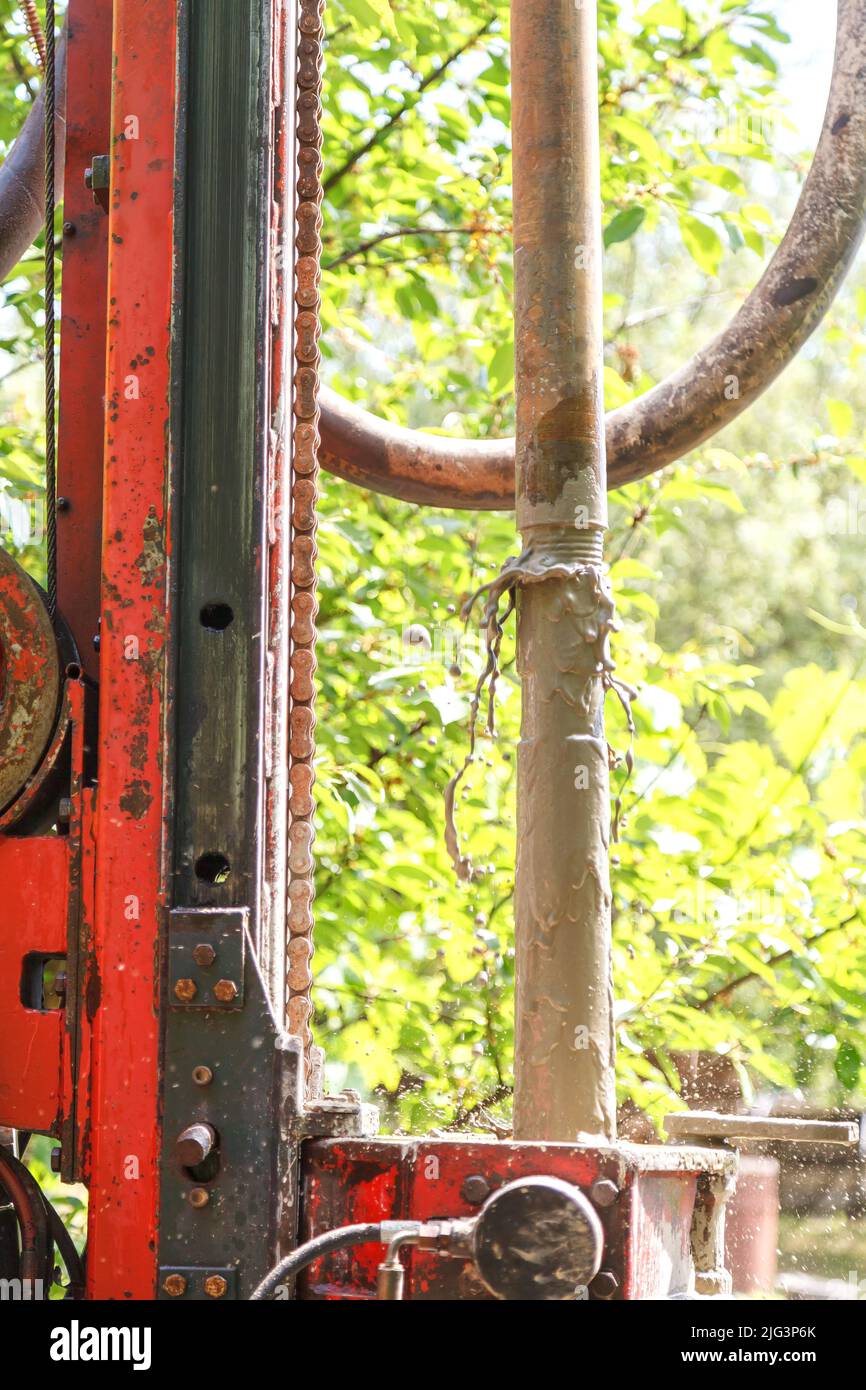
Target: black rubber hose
{"points": [[66, 1248], [366, 1233]]}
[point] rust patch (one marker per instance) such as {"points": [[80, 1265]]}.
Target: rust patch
{"points": [[136, 800]]}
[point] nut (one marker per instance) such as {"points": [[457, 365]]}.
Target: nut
{"points": [[174, 1285], [604, 1192], [204, 954], [475, 1189], [604, 1285], [225, 991], [202, 1076], [199, 1197], [185, 990], [215, 1286]]}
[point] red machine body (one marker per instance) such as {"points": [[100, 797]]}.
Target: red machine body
{"points": [[645, 1198]]}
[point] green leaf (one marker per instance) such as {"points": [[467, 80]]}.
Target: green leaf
{"points": [[624, 225], [702, 242], [841, 416], [373, 14], [847, 1065], [500, 368]]}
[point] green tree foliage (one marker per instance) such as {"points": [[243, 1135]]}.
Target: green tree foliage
{"points": [[738, 872], [737, 877]]}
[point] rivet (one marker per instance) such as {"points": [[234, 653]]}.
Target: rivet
{"points": [[199, 1197], [202, 1076]]}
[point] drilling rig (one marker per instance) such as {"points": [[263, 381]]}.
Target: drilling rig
{"points": [[157, 698]]}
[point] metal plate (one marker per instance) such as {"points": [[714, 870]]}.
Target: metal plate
{"points": [[215, 985], [197, 1284]]}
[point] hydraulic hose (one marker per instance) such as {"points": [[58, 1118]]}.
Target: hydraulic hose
{"points": [[26, 1197], [363, 1233]]}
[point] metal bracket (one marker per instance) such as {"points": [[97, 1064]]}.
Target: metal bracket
{"points": [[206, 957], [706, 1126], [338, 1117]]}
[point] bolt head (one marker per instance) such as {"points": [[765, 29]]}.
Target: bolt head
{"points": [[475, 1189], [604, 1192], [202, 1076], [199, 1197], [174, 1285], [204, 954], [605, 1284], [215, 1286], [56, 1155], [185, 990], [225, 991]]}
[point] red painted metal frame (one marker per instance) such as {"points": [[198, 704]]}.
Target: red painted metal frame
{"points": [[82, 336], [647, 1230], [34, 876], [131, 815], [37, 1047]]}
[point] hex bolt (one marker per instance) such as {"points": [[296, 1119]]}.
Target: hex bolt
{"points": [[475, 1189], [97, 175], [215, 1286], [174, 1285], [199, 1197], [604, 1192], [194, 1143], [202, 1076], [225, 991], [204, 954], [185, 990], [605, 1284]]}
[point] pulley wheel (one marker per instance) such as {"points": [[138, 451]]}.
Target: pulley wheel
{"points": [[29, 679]]}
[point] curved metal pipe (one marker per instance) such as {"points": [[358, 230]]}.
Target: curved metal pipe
{"points": [[22, 176], [703, 396], [699, 399]]}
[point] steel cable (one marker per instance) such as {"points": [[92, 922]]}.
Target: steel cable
{"points": [[50, 385]]}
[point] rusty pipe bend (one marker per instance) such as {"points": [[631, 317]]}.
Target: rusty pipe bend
{"points": [[700, 398], [788, 303], [22, 175]]}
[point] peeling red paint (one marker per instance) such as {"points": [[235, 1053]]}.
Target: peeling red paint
{"points": [[130, 810]]}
